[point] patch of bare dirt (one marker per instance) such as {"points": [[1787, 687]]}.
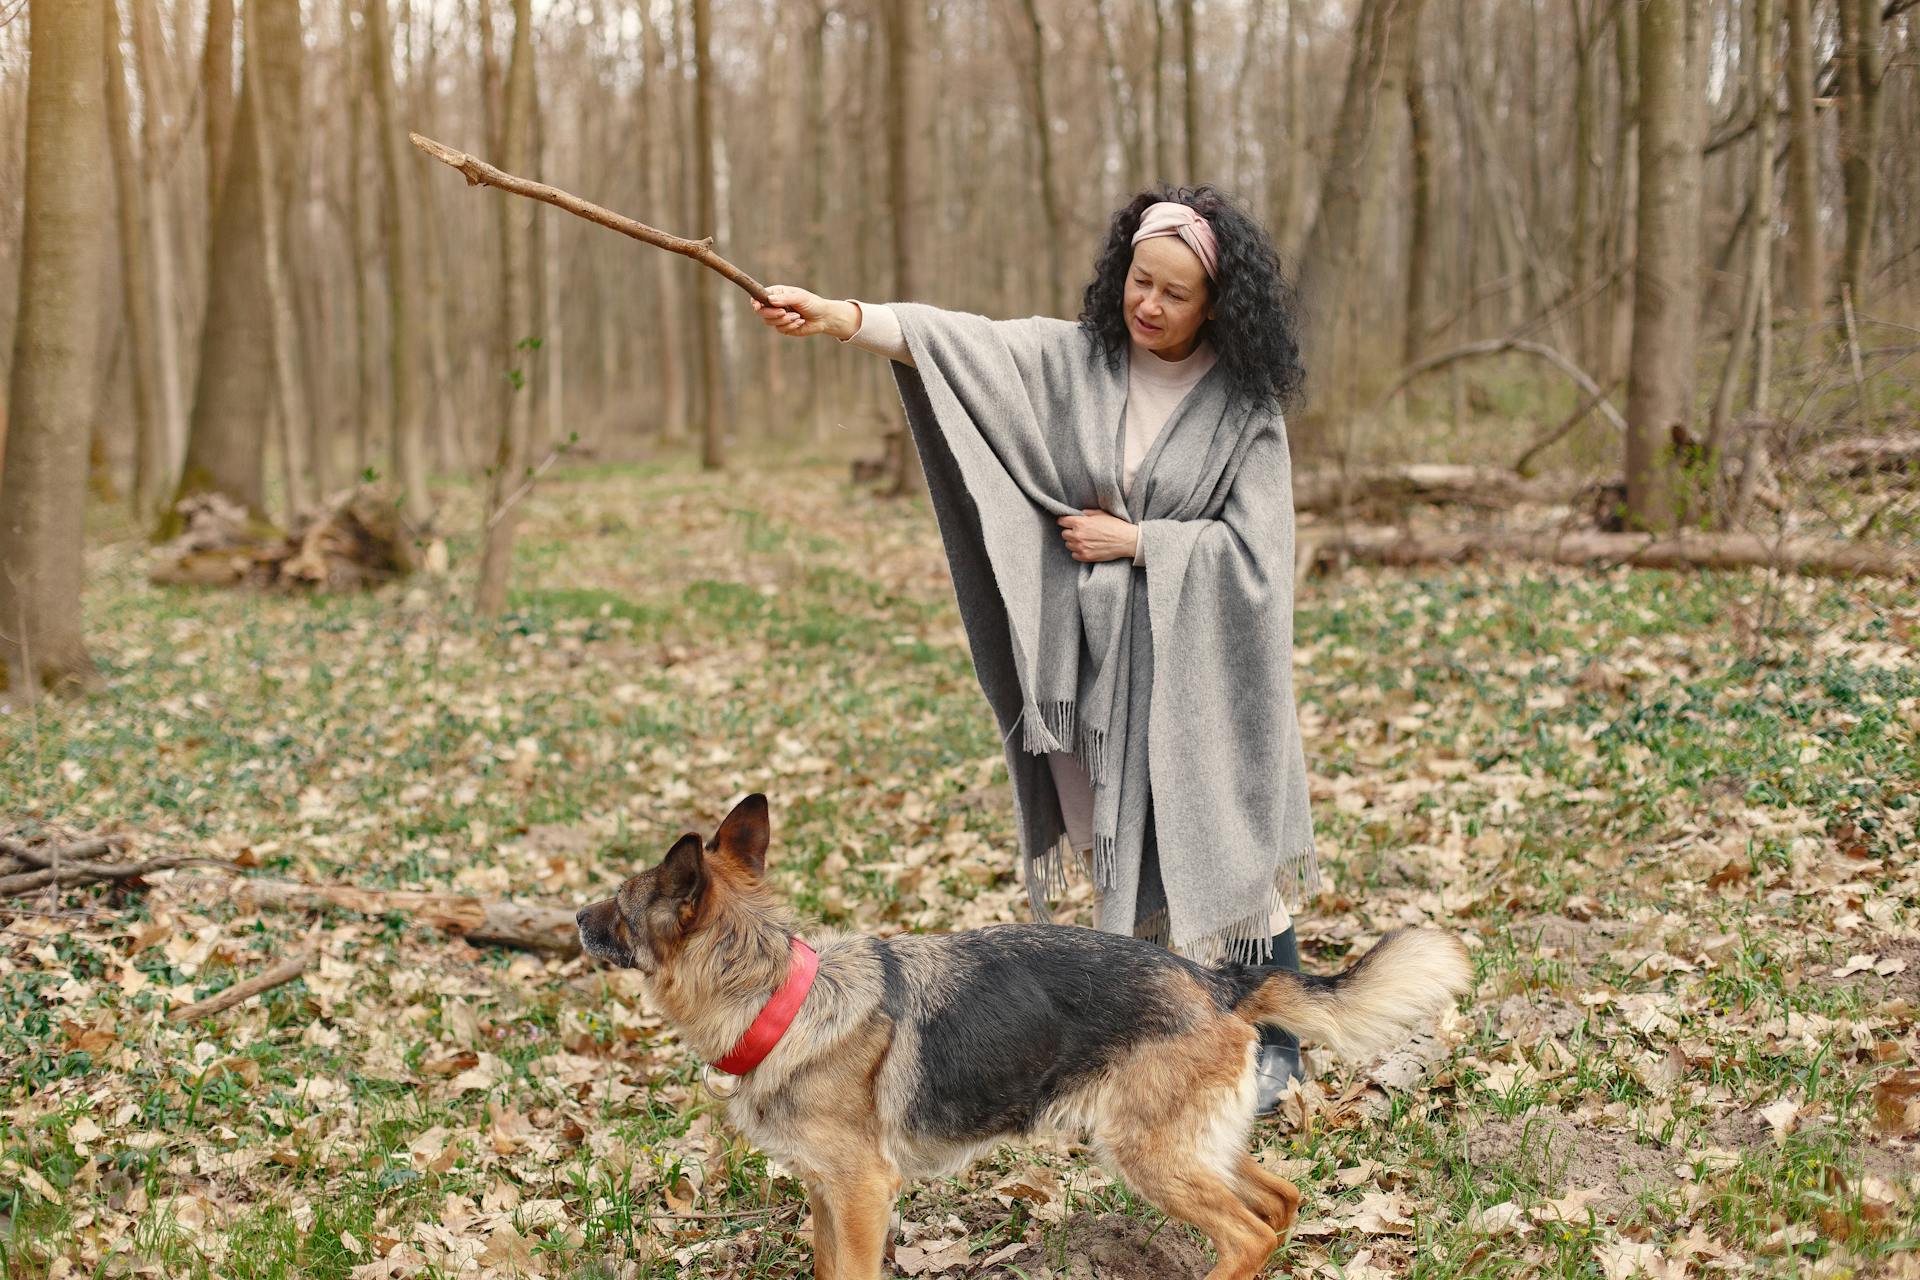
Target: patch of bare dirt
{"points": [[1109, 1246], [1552, 1151]]}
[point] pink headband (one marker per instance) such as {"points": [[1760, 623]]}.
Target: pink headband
{"points": [[1171, 218]]}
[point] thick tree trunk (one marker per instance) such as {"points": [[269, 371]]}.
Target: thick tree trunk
{"points": [[136, 279], [1666, 280], [510, 461], [397, 209], [1333, 244], [1803, 163], [233, 392], [1859, 61], [706, 316], [273, 36], [216, 95], [54, 376]]}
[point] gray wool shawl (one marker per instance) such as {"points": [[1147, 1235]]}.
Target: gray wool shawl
{"points": [[1171, 683]]}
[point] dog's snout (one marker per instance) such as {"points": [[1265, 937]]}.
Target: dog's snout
{"points": [[580, 917]]}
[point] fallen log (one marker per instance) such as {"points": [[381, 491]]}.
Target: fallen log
{"points": [[278, 975], [481, 921], [1864, 456], [1820, 557], [1437, 484]]}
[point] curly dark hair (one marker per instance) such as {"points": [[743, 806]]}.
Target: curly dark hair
{"points": [[1255, 327]]}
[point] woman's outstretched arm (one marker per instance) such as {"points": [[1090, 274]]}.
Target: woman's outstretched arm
{"points": [[800, 314]]}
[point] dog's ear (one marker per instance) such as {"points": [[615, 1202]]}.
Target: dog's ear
{"points": [[743, 836], [683, 872]]}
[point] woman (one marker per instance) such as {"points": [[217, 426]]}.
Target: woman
{"points": [[1116, 502]]}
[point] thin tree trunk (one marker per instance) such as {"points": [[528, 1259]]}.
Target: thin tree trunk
{"points": [[1586, 178], [1626, 182], [1162, 166], [1666, 282], [1803, 163], [516, 320], [403, 317], [706, 317], [907, 167], [52, 384], [363, 405], [1420, 211], [1190, 94], [172, 437], [136, 280], [1859, 60], [1050, 206]]}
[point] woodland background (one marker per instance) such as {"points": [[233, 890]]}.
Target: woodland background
{"points": [[412, 562]]}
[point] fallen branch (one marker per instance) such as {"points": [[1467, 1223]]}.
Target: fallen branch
{"points": [[483, 922], [479, 173], [279, 975], [71, 864], [1500, 346], [1824, 557]]}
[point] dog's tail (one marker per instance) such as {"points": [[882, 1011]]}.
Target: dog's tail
{"points": [[1409, 976]]}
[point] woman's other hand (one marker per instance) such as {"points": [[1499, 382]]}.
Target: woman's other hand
{"points": [[1093, 536], [799, 314]]}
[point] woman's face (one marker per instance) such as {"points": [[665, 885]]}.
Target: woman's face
{"points": [[1166, 297]]}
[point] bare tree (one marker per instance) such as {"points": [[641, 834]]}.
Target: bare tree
{"points": [[706, 318], [1803, 162], [1859, 61], [1666, 279], [216, 94], [136, 277], [55, 345], [515, 323], [233, 391], [908, 97], [397, 216], [1420, 148], [1190, 95]]}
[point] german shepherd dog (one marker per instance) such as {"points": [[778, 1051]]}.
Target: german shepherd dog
{"points": [[910, 1056]]}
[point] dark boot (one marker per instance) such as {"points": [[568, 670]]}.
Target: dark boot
{"points": [[1278, 1063]]}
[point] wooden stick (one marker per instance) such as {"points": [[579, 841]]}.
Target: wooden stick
{"points": [[481, 174], [278, 975]]}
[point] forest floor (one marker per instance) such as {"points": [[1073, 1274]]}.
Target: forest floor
{"points": [[1674, 815]]}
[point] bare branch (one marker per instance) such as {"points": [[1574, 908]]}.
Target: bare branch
{"points": [[481, 174]]}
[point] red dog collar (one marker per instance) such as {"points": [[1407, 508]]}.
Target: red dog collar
{"points": [[776, 1017]]}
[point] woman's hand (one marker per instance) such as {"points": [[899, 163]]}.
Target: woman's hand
{"points": [[799, 314], [1093, 536]]}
